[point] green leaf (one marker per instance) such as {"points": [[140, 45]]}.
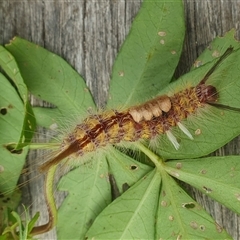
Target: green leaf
{"points": [[17, 125], [48, 117], [7, 204], [50, 78], [125, 170], [217, 177], [217, 47], [12, 114], [150, 54], [10, 201], [23, 231], [19, 223], [31, 223], [89, 193], [90, 183], [180, 217], [9, 65], [131, 216]]}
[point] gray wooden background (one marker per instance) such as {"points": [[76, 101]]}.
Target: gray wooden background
{"points": [[89, 33]]}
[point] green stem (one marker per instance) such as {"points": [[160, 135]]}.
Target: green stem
{"points": [[153, 157], [49, 194], [50, 201], [32, 146]]}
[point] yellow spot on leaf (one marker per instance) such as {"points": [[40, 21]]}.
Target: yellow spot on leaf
{"points": [[162, 34]]}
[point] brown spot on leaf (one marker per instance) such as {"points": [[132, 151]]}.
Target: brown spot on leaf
{"points": [[11, 148], [198, 132], [1, 169], [193, 225], [238, 196], [133, 167], [202, 227], [197, 63], [178, 165], [203, 171], [188, 205], [162, 41], [3, 111], [163, 203], [216, 53], [162, 33], [121, 73], [207, 190]]}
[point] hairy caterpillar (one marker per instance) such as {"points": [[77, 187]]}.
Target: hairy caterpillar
{"points": [[133, 124], [144, 121], [181, 144]]}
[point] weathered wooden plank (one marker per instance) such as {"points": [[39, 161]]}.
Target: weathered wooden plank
{"points": [[88, 35]]}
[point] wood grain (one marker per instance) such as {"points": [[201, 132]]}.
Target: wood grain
{"points": [[88, 34]]}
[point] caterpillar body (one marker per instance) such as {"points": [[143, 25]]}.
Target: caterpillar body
{"points": [[142, 122]]}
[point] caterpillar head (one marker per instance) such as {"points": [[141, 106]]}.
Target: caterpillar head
{"points": [[206, 93]]}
